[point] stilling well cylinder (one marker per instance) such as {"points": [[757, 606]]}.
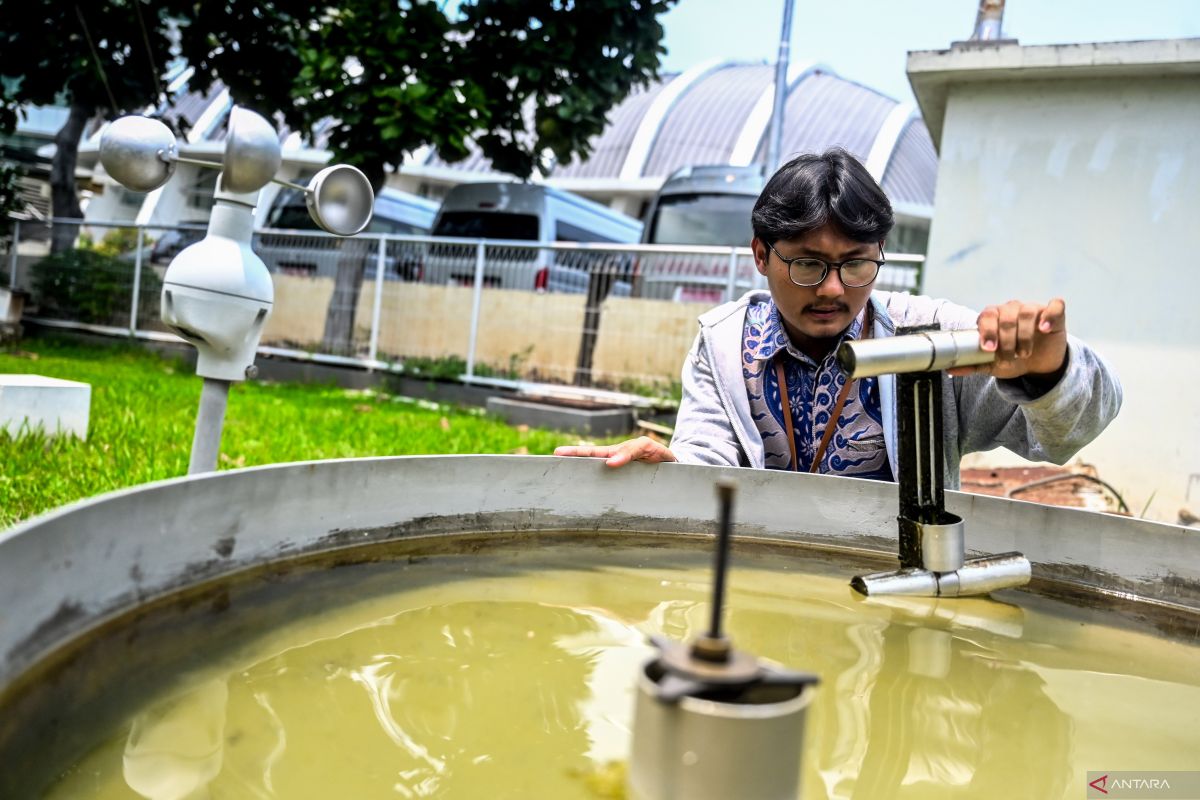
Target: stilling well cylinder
{"points": [[740, 742]]}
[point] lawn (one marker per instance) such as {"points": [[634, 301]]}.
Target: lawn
{"points": [[144, 409]]}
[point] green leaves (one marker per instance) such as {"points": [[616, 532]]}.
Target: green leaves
{"points": [[519, 77]]}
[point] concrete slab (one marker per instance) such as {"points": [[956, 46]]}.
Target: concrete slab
{"points": [[12, 305], [56, 406], [588, 421]]}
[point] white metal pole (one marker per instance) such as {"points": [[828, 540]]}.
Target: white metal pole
{"points": [[480, 252], [775, 142], [206, 442], [137, 281], [731, 286], [377, 306], [12, 254]]}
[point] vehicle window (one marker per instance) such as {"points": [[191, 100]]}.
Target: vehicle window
{"points": [[385, 225], [716, 219], [482, 225], [566, 232], [200, 192], [289, 211], [908, 238]]}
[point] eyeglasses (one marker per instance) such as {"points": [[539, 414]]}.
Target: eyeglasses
{"points": [[854, 273]]}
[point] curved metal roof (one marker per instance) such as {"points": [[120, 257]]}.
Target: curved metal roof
{"points": [[704, 115], [825, 110], [610, 148], [912, 172], [704, 123]]}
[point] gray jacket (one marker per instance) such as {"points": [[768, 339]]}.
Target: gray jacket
{"points": [[714, 425]]}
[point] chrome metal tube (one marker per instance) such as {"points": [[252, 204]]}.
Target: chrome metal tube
{"points": [[911, 582], [702, 749], [990, 574], [920, 352], [942, 545], [977, 576]]}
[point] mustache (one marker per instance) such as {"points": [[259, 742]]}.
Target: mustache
{"points": [[827, 307]]}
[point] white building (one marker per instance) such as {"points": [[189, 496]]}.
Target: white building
{"points": [[1074, 170]]}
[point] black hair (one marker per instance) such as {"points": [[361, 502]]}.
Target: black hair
{"points": [[812, 190]]}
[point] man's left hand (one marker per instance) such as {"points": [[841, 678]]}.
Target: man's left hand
{"points": [[1029, 340]]}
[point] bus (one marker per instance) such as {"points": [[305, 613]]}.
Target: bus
{"points": [[699, 205]]}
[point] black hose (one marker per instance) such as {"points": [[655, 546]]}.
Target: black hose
{"points": [[1055, 478]]}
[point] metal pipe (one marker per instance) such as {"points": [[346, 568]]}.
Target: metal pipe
{"points": [[731, 283], [976, 576], [921, 352], [775, 142], [377, 305], [725, 491], [989, 21], [206, 442], [196, 162], [137, 281], [477, 301], [942, 544]]}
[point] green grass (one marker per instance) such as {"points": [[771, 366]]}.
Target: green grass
{"points": [[144, 409]]}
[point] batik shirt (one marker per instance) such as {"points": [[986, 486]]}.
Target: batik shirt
{"points": [[857, 447]]}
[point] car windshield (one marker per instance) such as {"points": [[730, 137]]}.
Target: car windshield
{"points": [[290, 212], [487, 225], [716, 219]]}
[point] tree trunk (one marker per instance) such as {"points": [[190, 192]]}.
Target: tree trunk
{"points": [[600, 283], [347, 285], [64, 194]]}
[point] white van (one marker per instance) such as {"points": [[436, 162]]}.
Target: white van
{"points": [[528, 213], [705, 205], [699, 205], [396, 212]]}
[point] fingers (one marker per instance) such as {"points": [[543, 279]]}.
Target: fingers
{"points": [[586, 451], [989, 321], [1053, 318], [1026, 328], [1026, 338], [642, 448]]}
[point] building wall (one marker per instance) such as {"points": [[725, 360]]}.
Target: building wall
{"points": [[1089, 189]]}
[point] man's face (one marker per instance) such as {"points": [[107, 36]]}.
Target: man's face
{"points": [[815, 315]]}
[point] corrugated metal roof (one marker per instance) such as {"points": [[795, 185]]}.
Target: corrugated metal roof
{"points": [[188, 106], [705, 122], [824, 111], [911, 175], [610, 148]]}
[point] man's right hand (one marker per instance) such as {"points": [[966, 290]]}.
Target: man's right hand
{"points": [[642, 448]]}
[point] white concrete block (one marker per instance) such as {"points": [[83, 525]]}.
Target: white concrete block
{"points": [[12, 304], [35, 401]]}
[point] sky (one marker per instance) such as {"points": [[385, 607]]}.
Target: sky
{"points": [[867, 40]]}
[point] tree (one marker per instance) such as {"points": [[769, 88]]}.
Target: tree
{"points": [[101, 56], [529, 81], [10, 193]]}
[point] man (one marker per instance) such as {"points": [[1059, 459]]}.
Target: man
{"points": [[761, 384]]}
